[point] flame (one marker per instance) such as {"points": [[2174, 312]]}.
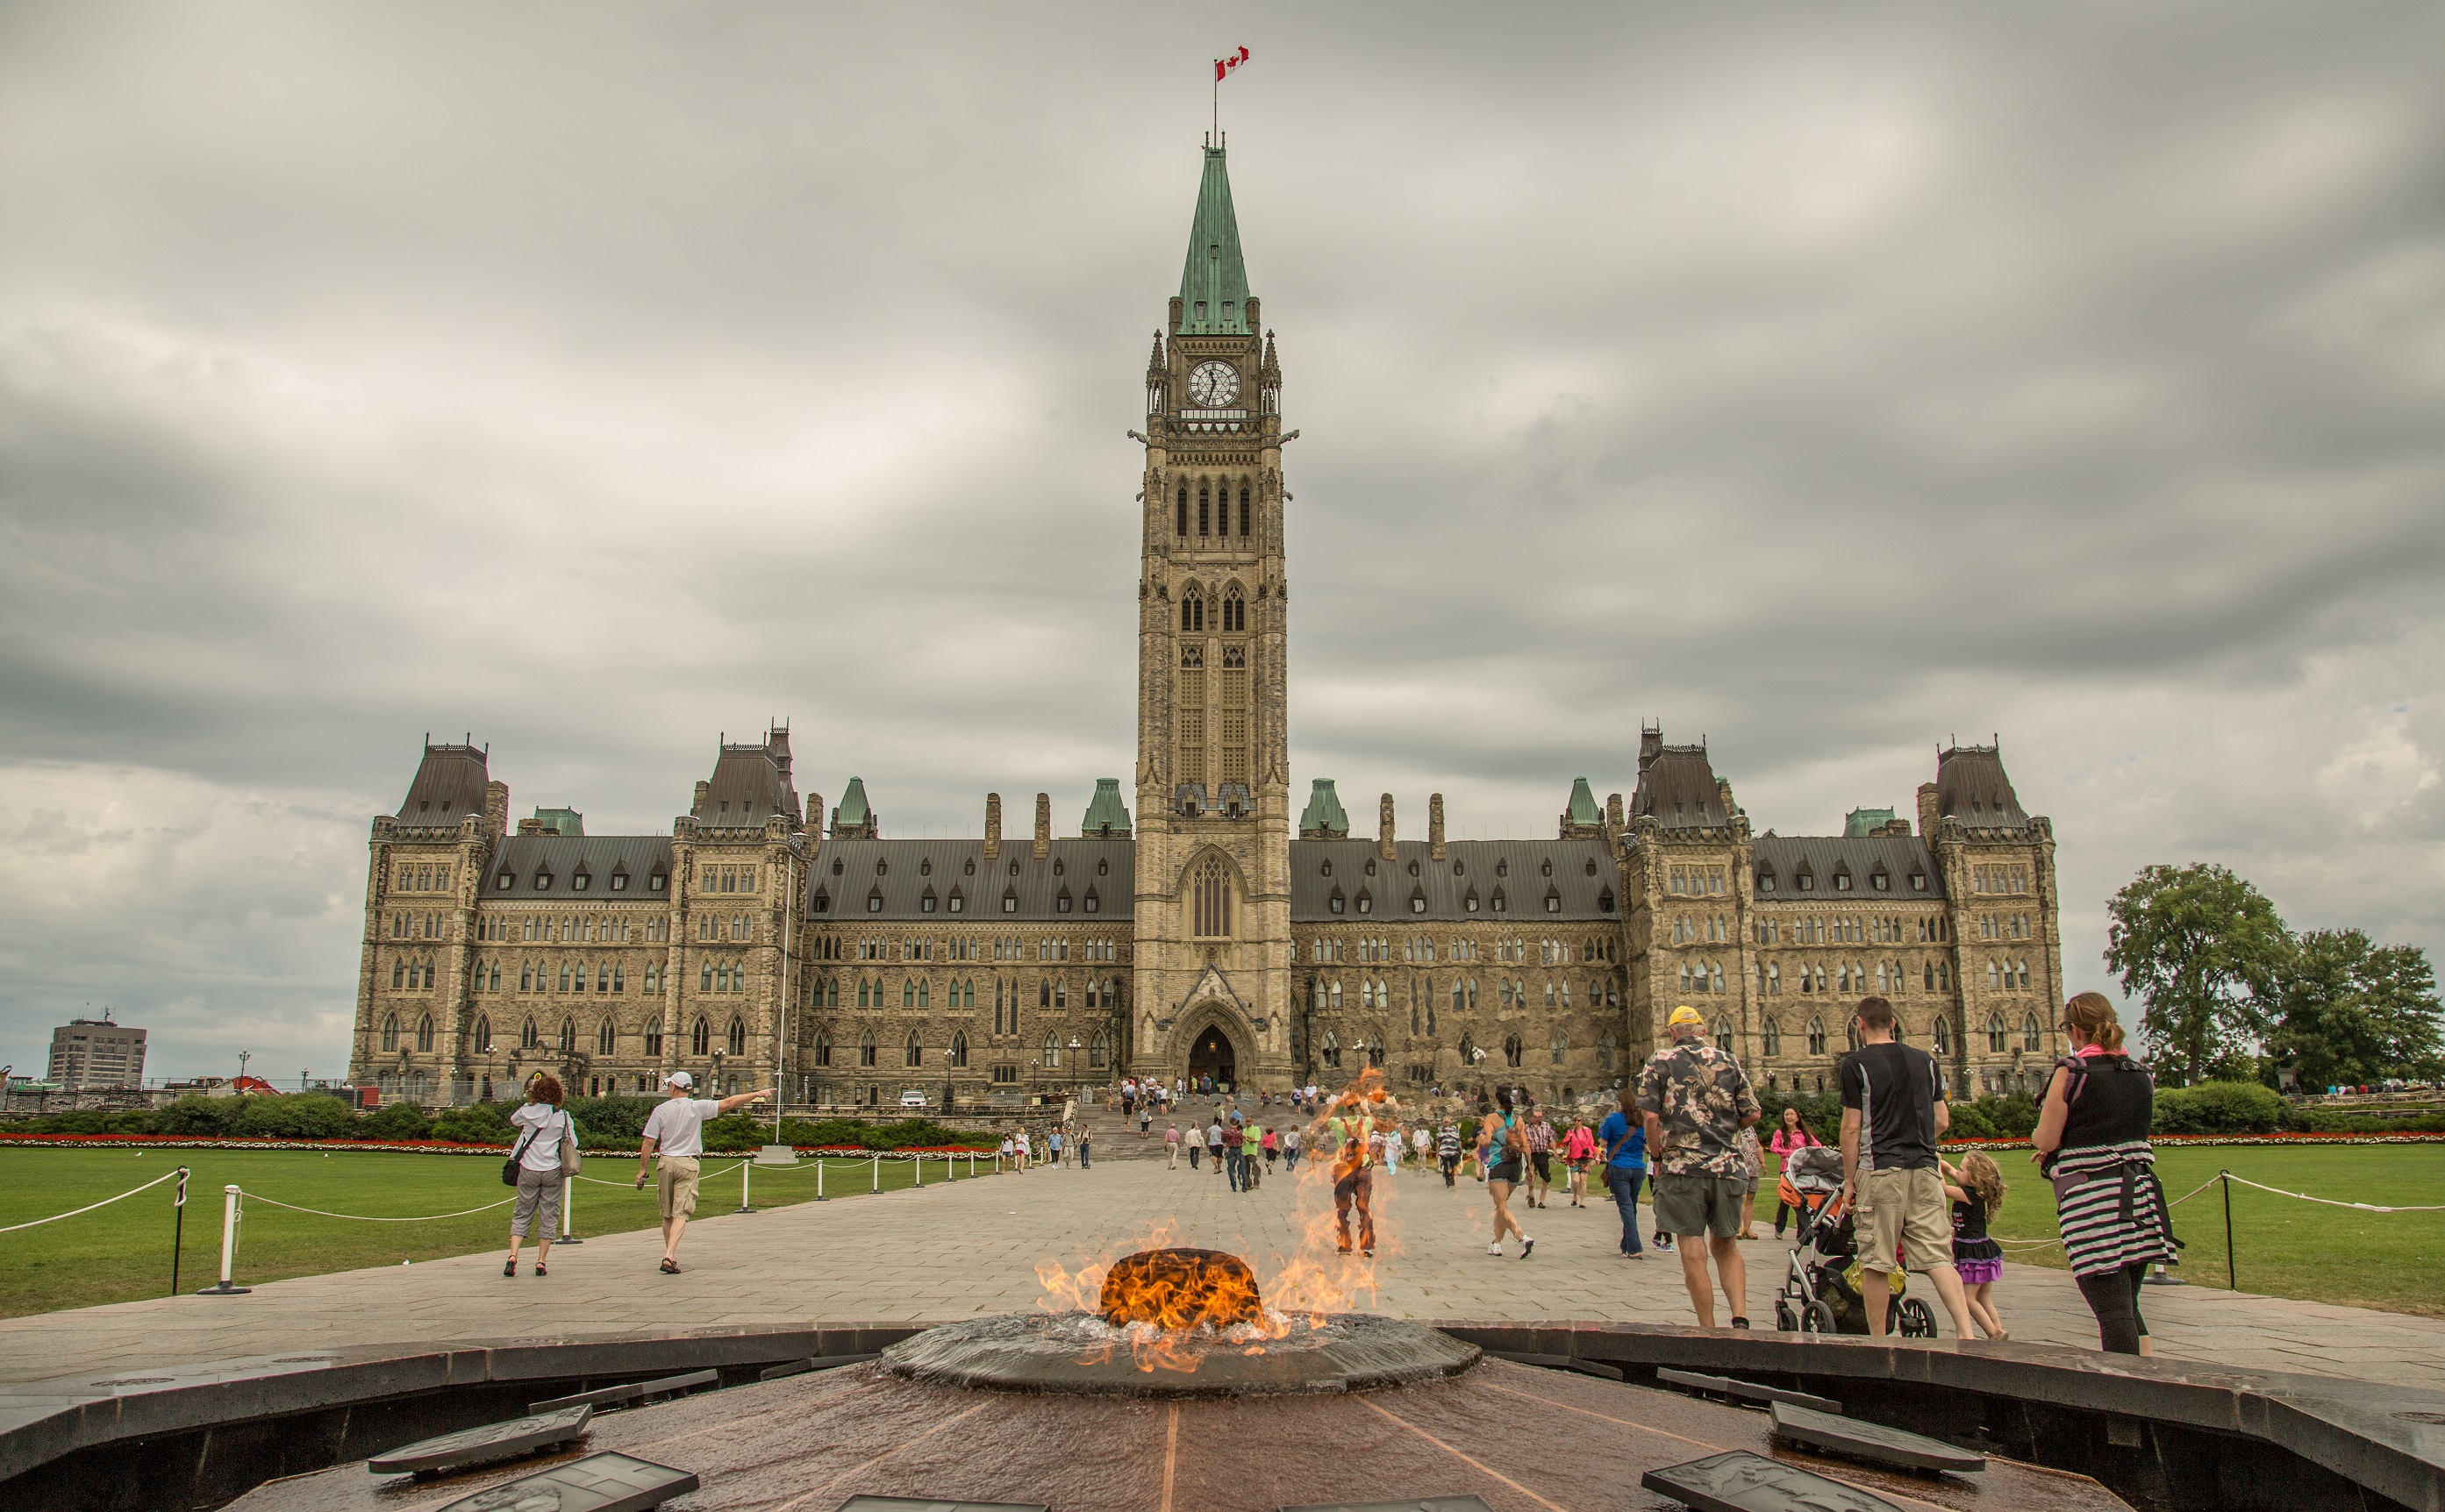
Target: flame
{"points": [[1168, 1319]]}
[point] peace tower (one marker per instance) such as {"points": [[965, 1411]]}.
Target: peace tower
{"points": [[1211, 983]]}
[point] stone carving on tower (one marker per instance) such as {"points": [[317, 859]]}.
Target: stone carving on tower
{"points": [[1211, 983]]}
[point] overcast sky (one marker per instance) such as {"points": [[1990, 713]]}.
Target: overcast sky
{"points": [[1829, 383]]}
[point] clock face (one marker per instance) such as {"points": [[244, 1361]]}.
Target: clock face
{"points": [[1212, 386]]}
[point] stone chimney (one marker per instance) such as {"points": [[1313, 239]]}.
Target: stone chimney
{"points": [[1927, 810], [992, 825], [532, 827], [815, 815], [1384, 826], [496, 808], [1043, 826], [1612, 813], [703, 798], [1435, 847]]}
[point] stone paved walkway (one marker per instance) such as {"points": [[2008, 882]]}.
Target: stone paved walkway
{"points": [[973, 1247]]}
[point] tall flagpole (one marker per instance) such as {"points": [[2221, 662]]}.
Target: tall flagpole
{"points": [[1217, 137]]}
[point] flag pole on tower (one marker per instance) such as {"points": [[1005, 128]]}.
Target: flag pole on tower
{"points": [[1223, 68]]}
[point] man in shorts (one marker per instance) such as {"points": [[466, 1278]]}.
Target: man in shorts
{"points": [[1892, 1116], [676, 1132], [1696, 1100], [1540, 1156]]}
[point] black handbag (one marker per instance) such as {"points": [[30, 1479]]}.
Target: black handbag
{"points": [[509, 1167]]}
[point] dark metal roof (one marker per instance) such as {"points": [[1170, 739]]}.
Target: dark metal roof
{"points": [[524, 857], [1517, 867], [449, 784], [1970, 786], [903, 881], [1823, 856], [1677, 787], [749, 783]]}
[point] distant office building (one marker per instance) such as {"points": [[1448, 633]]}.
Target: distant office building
{"points": [[97, 1053]]}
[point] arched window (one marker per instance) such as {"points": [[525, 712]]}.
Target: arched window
{"points": [[1770, 1037], [960, 1050], [823, 1047], [1052, 1051], [1996, 1034], [1179, 524], [483, 1035], [2029, 1032], [1243, 509], [1817, 1037], [606, 1038], [737, 1037], [1235, 612], [700, 1038], [1943, 1035], [1561, 1047], [568, 1036], [913, 1052], [1724, 1039], [398, 975], [653, 1043], [1332, 1048], [528, 1038], [866, 1049], [1605, 1050], [390, 1032], [1205, 509], [1098, 1051], [1192, 611], [1213, 893], [1511, 1050]]}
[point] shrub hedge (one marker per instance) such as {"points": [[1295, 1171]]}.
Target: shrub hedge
{"points": [[602, 1123]]}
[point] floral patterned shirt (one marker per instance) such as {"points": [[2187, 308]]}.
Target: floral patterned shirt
{"points": [[1699, 1095]]}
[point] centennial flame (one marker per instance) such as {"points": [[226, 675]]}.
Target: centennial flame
{"points": [[1168, 1302]]}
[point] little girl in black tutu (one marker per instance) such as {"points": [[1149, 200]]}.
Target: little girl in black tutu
{"points": [[1977, 1189]]}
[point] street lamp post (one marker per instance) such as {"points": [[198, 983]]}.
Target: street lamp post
{"points": [[243, 1056]]}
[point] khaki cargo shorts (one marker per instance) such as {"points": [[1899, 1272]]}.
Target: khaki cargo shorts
{"points": [[1904, 1211], [678, 1174]]}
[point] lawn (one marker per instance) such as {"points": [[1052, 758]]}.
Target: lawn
{"points": [[122, 1252], [2281, 1248]]}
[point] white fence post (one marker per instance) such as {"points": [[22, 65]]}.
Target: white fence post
{"points": [[568, 1203], [878, 1173], [229, 1246]]}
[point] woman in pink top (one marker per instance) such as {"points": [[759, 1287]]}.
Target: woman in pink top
{"points": [[1791, 1136], [1578, 1149]]}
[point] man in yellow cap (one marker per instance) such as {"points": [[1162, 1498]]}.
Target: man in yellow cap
{"points": [[1697, 1100]]}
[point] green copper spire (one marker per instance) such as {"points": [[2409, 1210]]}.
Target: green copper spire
{"points": [[1323, 818], [1107, 817], [1214, 282], [1583, 804]]}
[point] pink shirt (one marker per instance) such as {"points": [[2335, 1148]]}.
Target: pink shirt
{"points": [[1580, 1145], [1785, 1142]]}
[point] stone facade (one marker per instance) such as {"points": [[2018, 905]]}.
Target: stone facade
{"points": [[1211, 935]]}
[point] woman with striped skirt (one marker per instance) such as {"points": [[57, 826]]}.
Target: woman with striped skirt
{"points": [[2092, 1144]]}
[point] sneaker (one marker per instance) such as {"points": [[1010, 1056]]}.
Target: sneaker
{"points": [[1525, 1245], [1495, 1249]]}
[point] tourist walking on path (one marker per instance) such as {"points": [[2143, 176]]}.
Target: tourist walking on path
{"points": [[1352, 1132], [1509, 1142], [539, 1169], [1272, 1145], [1086, 1149], [1235, 1154], [1579, 1154], [1171, 1146], [1026, 1150], [1289, 1148], [1753, 1167], [673, 1143], [1053, 1141], [1540, 1134], [1788, 1136], [1696, 1100], [1621, 1139], [1146, 1118], [2092, 1144], [1893, 1113], [1422, 1143], [1214, 1144], [1448, 1149], [1975, 1189]]}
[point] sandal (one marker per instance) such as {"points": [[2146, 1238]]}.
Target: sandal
{"points": [[671, 1267], [539, 1270], [510, 1266]]}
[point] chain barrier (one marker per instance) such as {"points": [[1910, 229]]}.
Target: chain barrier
{"points": [[360, 1218], [2366, 1208], [104, 1203]]}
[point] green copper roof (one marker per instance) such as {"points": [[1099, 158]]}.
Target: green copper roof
{"points": [[1323, 817], [561, 821], [852, 807], [1214, 282], [1861, 822], [1583, 804], [1107, 817]]}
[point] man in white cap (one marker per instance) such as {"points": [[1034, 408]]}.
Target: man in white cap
{"points": [[676, 1132]]}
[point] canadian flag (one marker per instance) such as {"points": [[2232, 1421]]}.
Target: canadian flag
{"points": [[1224, 65]]}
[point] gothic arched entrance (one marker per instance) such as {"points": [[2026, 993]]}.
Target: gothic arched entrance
{"points": [[1211, 1055]]}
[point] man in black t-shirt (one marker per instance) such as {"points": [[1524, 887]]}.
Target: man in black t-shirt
{"points": [[1892, 1116]]}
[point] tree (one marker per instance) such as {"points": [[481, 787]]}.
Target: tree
{"points": [[2349, 1011], [2202, 949]]}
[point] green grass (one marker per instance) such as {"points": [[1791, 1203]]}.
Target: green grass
{"points": [[2282, 1246], [122, 1252]]}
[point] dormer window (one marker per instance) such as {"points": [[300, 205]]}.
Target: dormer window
{"points": [[881, 866], [1841, 878], [1548, 868], [836, 866], [1013, 865], [1095, 903], [1469, 903], [1765, 880], [1370, 867], [1010, 903], [543, 882], [1458, 868], [1056, 865], [1604, 901], [958, 903], [1553, 901], [657, 882], [1807, 881], [1336, 902], [1414, 868], [1592, 866], [1881, 880], [968, 867], [580, 880], [926, 868], [1417, 901], [505, 882], [925, 901], [1918, 881], [1061, 902], [1325, 870], [1502, 868], [619, 882], [823, 901], [1103, 868], [1365, 904], [1500, 906]]}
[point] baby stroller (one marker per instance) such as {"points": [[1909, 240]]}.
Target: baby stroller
{"points": [[1822, 1295]]}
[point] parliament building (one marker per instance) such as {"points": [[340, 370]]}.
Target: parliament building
{"points": [[1193, 925]]}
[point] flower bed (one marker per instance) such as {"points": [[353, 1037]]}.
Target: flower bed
{"points": [[2226, 1139]]}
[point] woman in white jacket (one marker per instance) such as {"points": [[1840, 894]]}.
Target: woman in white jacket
{"points": [[540, 1122]]}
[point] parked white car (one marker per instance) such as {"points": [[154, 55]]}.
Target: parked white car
{"points": [[912, 1098]]}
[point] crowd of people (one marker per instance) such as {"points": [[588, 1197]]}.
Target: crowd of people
{"points": [[1685, 1131]]}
